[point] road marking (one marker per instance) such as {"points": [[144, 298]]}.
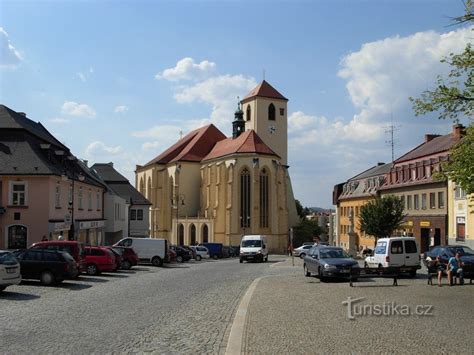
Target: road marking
{"points": [[234, 344], [280, 262]]}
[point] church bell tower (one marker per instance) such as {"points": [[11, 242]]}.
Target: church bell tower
{"points": [[238, 125]]}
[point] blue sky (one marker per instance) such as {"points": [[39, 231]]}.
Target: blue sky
{"points": [[118, 80]]}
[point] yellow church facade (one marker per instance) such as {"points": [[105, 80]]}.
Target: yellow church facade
{"points": [[210, 188]]}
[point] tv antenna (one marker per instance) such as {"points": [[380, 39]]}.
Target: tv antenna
{"points": [[391, 129]]}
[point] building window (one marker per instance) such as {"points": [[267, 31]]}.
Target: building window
{"points": [[17, 237], [18, 193], [193, 234], [57, 197], [413, 174], [271, 112], [98, 201], [205, 234], [139, 215], [423, 201], [90, 200], [249, 113], [409, 202], [460, 229], [459, 193], [80, 198], [282, 112], [245, 198], [416, 202], [441, 199], [264, 199], [432, 200], [428, 171]]}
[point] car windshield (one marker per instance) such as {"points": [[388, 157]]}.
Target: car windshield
{"points": [[7, 259], [462, 250], [332, 254], [381, 248], [251, 243]]}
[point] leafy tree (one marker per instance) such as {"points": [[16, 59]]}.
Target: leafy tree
{"points": [[305, 231], [382, 216], [299, 209]]}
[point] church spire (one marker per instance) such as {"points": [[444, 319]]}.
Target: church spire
{"points": [[238, 125]]}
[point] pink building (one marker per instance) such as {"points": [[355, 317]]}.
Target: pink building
{"points": [[45, 191]]}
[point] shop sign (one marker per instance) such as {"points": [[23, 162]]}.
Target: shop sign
{"points": [[425, 224], [91, 224], [461, 220], [61, 226]]}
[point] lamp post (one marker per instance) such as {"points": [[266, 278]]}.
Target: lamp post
{"points": [[80, 176], [176, 200]]}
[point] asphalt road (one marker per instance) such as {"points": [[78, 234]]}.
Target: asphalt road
{"points": [[183, 308]]}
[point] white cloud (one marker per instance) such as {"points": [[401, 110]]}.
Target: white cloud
{"points": [[187, 69], [84, 75], [74, 109], [9, 56], [59, 120], [99, 148], [121, 109]]}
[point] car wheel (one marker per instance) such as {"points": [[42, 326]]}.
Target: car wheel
{"points": [[92, 269], [47, 278], [215, 257], [320, 274], [302, 255], [126, 265], [198, 257], [306, 271], [156, 261], [266, 258], [179, 259], [2, 288]]}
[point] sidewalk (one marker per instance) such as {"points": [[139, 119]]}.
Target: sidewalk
{"points": [[290, 313]]}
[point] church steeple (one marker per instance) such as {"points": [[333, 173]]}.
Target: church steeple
{"points": [[238, 125]]}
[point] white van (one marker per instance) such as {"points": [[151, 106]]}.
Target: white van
{"points": [[400, 252], [152, 250], [253, 247]]}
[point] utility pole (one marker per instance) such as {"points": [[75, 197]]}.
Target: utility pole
{"points": [[391, 131]]}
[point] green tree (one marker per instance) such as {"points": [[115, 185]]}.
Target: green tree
{"points": [[382, 216], [453, 98], [305, 231]]}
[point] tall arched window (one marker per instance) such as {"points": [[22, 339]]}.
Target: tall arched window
{"points": [[193, 234], [245, 198], [249, 113], [271, 112], [17, 237], [148, 189], [142, 186], [264, 199], [180, 234], [205, 234]]}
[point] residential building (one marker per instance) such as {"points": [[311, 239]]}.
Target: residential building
{"points": [[45, 190], [351, 197], [129, 210], [425, 198], [210, 188], [460, 216]]}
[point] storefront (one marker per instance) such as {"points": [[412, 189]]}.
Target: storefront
{"points": [[428, 230], [91, 232], [58, 228]]}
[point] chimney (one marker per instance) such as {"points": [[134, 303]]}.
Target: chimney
{"points": [[458, 131], [429, 137], [380, 163]]}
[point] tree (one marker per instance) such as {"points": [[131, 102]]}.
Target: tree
{"points": [[453, 98], [382, 216], [305, 231]]}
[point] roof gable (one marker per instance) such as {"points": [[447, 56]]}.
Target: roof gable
{"points": [[436, 145], [264, 89]]}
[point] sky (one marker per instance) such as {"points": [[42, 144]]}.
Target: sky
{"points": [[118, 81]]}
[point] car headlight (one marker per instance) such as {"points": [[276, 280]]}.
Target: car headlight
{"points": [[329, 267], [259, 252]]}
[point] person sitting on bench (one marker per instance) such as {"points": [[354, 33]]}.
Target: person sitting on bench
{"points": [[455, 268], [439, 267]]}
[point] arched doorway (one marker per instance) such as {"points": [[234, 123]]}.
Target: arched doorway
{"points": [[181, 235], [17, 237], [205, 234], [193, 234]]}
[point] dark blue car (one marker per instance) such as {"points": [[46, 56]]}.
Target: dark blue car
{"points": [[215, 249]]}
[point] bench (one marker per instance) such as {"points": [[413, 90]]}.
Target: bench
{"points": [[381, 272]]}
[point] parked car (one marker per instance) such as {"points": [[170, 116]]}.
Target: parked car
{"points": [[234, 251], [118, 258], [129, 257], [73, 248], [48, 266], [402, 252], [152, 250], [448, 251], [191, 250], [328, 261], [99, 259], [182, 254], [225, 252], [201, 252], [215, 249], [253, 247], [302, 250], [171, 254], [9, 270]]}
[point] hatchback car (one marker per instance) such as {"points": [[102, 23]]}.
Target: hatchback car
{"points": [[129, 257], [181, 253], [302, 250], [201, 252], [9, 270], [73, 248], [48, 266], [99, 259], [325, 262]]}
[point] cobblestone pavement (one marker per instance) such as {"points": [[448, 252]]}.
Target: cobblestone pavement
{"points": [[183, 308], [291, 313]]}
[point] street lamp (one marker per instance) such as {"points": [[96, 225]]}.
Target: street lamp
{"points": [[80, 176]]}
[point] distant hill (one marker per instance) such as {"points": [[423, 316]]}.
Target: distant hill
{"points": [[320, 209]]}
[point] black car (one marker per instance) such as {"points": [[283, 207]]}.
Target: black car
{"points": [[448, 251], [48, 266], [182, 254], [326, 261]]}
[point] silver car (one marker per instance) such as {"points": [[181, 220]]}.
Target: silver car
{"points": [[9, 270]]}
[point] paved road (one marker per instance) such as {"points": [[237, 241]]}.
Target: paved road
{"points": [[185, 308]]}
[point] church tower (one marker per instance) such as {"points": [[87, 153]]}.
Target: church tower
{"points": [[265, 111], [238, 125]]}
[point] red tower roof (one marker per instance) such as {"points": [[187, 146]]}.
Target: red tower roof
{"points": [[264, 89]]}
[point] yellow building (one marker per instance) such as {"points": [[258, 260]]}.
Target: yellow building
{"points": [[209, 188], [460, 216]]}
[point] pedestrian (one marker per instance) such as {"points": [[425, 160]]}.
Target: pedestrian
{"points": [[44, 239], [455, 268], [440, 268], [61, 237]]}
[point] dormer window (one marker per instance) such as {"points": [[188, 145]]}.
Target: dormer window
{"points": [[271, 112]]}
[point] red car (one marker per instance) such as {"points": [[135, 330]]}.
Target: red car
{"points": [[74, 248], [99, 259], [118, 258], [129, 257]]}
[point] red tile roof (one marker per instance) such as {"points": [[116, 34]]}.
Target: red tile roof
{"points": [[264, 89], [192, 147], [436, 145], [247, 142]]}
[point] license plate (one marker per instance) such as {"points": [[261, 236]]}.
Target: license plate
{"points": [[346, 270], [11, 270]]}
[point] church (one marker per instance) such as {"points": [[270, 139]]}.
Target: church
{"points": [[211, 188]]}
